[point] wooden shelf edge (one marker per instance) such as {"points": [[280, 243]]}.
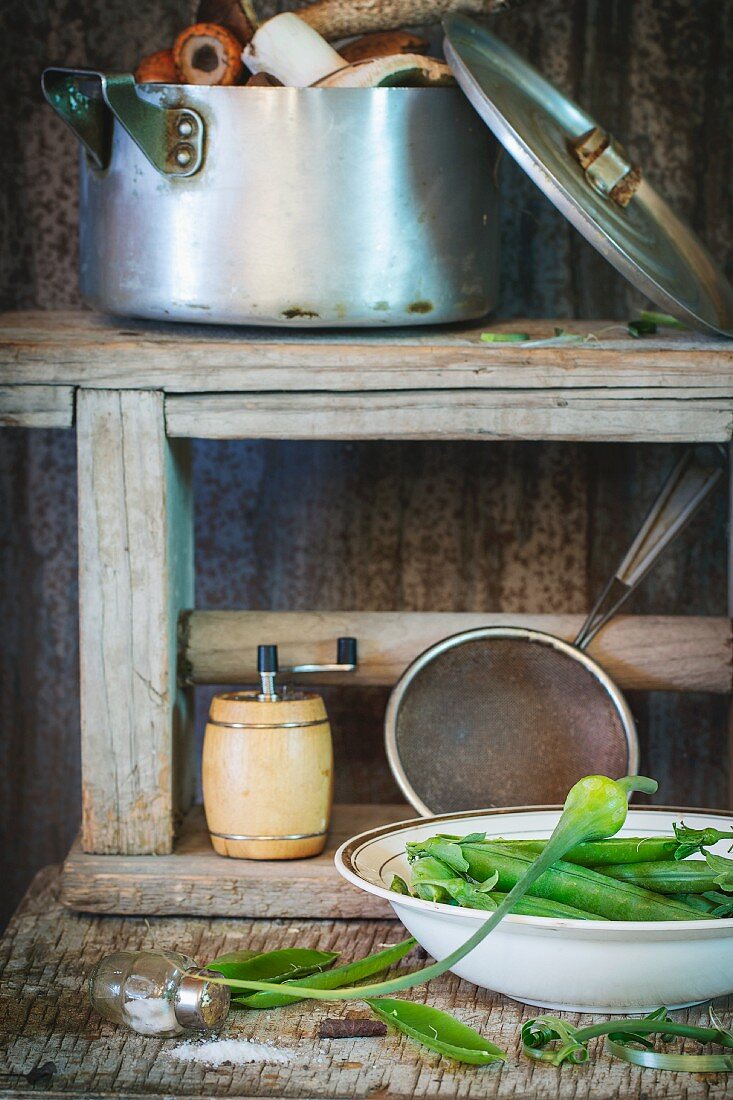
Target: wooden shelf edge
{"points": [[195, 881]]}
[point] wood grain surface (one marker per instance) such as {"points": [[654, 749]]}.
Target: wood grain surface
{"points": [[73, 348], [645, 652], [622, 416], [194, 880], [45, 1016], [135, 573], [421, 527], [36, 406]]}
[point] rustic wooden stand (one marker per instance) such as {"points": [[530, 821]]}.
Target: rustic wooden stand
{"points": [[139, 392], [47, 953]]}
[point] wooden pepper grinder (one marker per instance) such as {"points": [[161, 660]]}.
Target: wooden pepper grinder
{"points": [[268, 766]]}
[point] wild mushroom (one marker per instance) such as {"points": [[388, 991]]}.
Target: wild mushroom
{"points": [[236, 15], [291, 51], [342, 18], [158, 68], [398, 71], [206, 53], [382, 44]]}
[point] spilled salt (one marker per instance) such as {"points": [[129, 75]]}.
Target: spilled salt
{"points": [[215, 1052]]}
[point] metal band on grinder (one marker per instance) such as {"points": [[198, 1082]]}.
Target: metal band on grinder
{"points": [[290, 836], [267, 725]]}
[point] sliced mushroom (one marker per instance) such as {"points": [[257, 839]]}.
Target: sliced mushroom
{"points": [[158, 68], [236, 16], [207, 53], [402, 70], [382, 44], [291, 51]]}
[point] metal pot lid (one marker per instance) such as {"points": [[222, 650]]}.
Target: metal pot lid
{"points": [[588, 177]]}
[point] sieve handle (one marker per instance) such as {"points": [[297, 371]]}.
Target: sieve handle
{"points": [[694, 476]]}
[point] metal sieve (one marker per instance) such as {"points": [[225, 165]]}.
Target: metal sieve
{"points": [[506, 716]]}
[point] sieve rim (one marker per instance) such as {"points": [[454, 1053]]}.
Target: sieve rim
{"points": [[487, 632]]}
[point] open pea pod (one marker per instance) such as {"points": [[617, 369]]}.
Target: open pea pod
{"points": [[272, 966], [345, 974], [437, 1030]]}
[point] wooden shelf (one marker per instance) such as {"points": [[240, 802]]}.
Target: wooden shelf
{"points": [[195, 881], [415, 383]]}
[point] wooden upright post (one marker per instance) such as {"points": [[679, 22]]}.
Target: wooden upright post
{"points": [[135, 575]]}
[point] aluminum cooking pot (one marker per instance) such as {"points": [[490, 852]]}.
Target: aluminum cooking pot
{"points": [[281, 206]]}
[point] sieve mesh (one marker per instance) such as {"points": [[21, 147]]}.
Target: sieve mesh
{"points": [[505, 721]]}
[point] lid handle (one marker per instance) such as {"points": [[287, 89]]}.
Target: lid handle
{"points": [[606, 166]]}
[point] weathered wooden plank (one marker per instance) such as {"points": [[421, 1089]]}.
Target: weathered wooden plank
{"points": [[135, 575], [194, 880], [467, 414], [94, 351], [44, 1016], [36, 406], [643, 653]]}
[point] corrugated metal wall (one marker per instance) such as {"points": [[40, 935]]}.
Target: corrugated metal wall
{"points": [[523, 527]]}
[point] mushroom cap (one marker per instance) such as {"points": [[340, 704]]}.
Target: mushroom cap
{"points": [[395, 71], [227, 13], [207, 53], [157, 68], [382, 44]]}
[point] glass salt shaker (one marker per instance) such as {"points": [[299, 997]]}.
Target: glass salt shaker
{"points": [[157, 993]]}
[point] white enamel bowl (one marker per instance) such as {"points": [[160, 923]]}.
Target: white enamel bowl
{"points": [[575, 965]]}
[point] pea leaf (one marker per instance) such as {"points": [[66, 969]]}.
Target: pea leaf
{"points": [[272, 966], [724, 906], [339, 976], [724, 869], [399, 886], [437, 1030], [448, 852], [692, 841]]}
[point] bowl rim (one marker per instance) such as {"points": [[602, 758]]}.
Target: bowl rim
{"points": [[345, 856]]}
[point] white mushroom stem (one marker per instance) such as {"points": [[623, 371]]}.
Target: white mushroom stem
{"points": [[291, 51]]}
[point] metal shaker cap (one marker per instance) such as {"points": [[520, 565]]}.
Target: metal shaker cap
{"points": [[201, 1005], [588, 177]]}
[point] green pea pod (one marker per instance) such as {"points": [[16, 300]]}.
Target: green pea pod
{"points": [[272, 966], [598, 853], [437, 1030], [693, 876], [530, 906], [331, 979], [578, 886]]}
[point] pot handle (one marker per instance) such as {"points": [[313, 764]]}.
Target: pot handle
{"points": [[172, 138]]}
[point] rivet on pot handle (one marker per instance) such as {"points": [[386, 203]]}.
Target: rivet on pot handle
{"points": [[172, 138]]}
